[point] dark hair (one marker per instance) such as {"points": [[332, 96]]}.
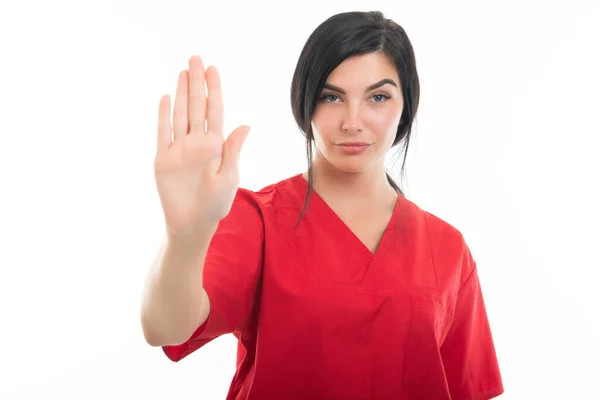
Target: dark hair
{"points": [[337, 38]]}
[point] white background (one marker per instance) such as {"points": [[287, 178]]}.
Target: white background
{"points": [[505, 148]]}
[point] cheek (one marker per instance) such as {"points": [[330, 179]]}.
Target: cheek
{"points": [[381, 121], [384, 124], [385, 120], [325, 127]]}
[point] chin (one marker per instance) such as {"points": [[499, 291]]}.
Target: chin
{"points": [[352, 166], [347, 163]]}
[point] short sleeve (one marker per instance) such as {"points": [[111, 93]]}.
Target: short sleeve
{"points": [[468, 350], [231, 274]]}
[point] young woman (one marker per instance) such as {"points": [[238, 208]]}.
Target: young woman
{"points": [[335, 284]]}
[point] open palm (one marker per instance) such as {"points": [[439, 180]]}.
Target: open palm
{"points": [[196, 170]]}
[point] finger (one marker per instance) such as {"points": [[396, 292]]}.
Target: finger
{"points": [[180, 111], [197, 96], [164, 123], [232, 149], [214, 108]]}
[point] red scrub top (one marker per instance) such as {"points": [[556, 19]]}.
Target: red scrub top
{"points": [[319, 316]]}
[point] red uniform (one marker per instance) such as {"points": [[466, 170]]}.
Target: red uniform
{"points": [[319, 316]]}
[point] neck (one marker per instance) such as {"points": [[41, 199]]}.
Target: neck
{"points": [[370, 186]]}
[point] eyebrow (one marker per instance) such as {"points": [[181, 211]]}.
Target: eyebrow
{"points": [[369, 88]]}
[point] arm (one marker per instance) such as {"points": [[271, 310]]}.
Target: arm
{"points": [[174, 301], [468, 352], [222, 264]]}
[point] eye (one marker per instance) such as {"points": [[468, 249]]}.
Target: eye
{"points": [[380, 98], [329, 98]]}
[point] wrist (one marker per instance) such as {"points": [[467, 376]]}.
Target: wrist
{"points": [[196, 238]]}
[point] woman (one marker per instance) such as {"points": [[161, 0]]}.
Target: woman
{"points": [[335, 284]]}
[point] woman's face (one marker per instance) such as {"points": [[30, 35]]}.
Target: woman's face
{"points": [[358, 114]]}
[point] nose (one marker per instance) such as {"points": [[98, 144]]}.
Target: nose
{"points": [[353, 127], [352, 122]]}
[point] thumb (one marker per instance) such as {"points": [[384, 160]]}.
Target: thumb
{"points": [[233, 147]]}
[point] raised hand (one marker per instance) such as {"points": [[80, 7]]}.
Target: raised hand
{"points": [[196, 170]]}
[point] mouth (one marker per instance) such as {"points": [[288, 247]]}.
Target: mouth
{"points": [[353, 147], [353, 144]]}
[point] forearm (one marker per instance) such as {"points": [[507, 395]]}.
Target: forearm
{"points": [[174, 303]]}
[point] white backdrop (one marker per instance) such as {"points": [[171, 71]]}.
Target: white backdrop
{"points": [[505, 149]]}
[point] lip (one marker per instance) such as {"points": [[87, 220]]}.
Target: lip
{"points": [[353, 144], [353, 147]]}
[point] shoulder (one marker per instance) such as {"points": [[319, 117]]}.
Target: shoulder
{"points": [[450, 252], [263, 201], [429, 223], [441, 229]]}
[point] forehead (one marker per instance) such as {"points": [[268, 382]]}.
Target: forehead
{"points": [[363, 70]]}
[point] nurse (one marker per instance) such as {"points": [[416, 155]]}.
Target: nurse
{"points": [[334, 283]]}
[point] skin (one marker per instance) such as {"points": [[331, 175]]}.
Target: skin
{"points": [[355, 185], [197, 175]]}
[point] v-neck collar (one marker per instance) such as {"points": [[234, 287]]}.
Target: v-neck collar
{"points": [[340, 226]]}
